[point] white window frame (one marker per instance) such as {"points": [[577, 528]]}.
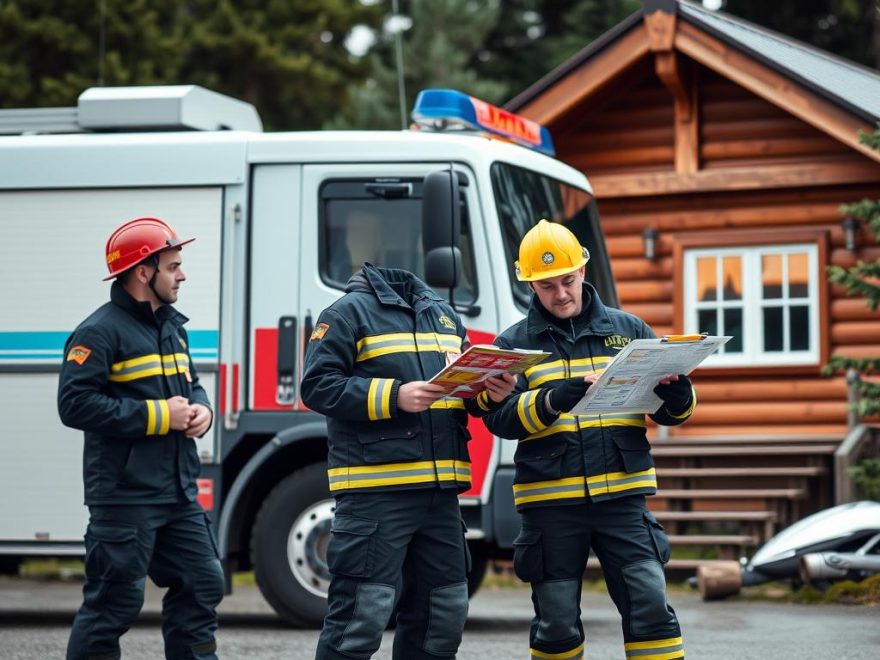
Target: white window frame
{"points": [[752, 304]]}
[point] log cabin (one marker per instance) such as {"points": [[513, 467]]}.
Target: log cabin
{"points": [[719, 153]]}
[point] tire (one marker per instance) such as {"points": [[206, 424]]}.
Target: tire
{"points": [[289, 546], [479, 565]]}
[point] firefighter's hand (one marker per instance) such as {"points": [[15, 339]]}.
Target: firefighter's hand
{"points": [[676, 393], [500, 387], [568, 392], [180, 412], [418, 395], [200, 422]]}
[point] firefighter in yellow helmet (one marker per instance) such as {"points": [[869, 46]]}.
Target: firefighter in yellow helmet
{"points": [[581, 481]]}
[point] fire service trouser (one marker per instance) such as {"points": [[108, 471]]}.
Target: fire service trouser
{"points": [[175, 546], [403, 548], [551, 553]]}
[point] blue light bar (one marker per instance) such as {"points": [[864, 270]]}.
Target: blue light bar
{"points": [[439, 109]]}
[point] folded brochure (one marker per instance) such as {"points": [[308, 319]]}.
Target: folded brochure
{"points": [[466, 373]]}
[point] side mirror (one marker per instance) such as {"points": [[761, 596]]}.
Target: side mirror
{"points": [[441, 226]]}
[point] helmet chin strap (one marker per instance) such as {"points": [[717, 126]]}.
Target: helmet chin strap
{"points": [[152, 283]]}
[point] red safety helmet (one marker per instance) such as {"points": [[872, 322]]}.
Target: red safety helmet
{"points": [[136, 240]]}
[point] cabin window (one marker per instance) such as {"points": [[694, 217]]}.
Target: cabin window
{"points": [[766, 297], [378, 221]]}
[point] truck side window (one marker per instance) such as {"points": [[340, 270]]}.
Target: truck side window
{"points": [[379, 221]]}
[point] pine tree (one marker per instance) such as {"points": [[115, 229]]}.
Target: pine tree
{"points": [[532, 37], [285, 57], [863, 279], [437, 50]]}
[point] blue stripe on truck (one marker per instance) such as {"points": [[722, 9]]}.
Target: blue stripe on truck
{"points": [[50, 345]]}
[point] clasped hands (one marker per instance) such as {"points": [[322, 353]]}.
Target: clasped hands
{"points": [[194, 418]]}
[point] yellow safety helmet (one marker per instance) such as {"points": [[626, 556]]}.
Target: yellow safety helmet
{"points": [[548, 250]]}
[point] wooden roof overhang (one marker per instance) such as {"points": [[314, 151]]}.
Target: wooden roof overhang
{"points": [[675, 41]]}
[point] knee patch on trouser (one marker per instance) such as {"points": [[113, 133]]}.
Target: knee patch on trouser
{"points": [[649, 613], [372, 609], [446, 618], [557, 611]]}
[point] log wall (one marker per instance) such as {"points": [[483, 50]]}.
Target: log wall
{"points": [[632, 133]]}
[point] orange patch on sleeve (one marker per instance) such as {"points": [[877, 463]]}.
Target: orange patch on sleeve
{"points": [[79, 354], [320, 330]]}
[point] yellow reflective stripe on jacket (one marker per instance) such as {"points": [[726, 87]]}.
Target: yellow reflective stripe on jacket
{"points": [[448, 404], [379, 398], [574, 654], [483, 401], [528, 415], [148, 365], [614, 482], [659, 649], [570, 487], [558, 489], [566, 423], [546, 372], [407, 342], [396, 474], [158, 417]]}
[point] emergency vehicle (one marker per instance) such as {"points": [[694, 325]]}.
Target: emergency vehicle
{"points": [[281, 221]]}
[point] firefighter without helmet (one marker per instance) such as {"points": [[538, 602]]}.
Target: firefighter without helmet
{"points": [[548, 250], [136, 240]]}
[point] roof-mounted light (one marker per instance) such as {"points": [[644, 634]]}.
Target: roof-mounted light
{"points": [[447, 109]]}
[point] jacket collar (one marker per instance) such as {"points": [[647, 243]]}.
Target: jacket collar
{"points": [[593, 319], [142, 309], [392, 286]]}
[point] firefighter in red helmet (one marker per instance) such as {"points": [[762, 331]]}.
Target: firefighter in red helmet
{"points": [[128, 382]]}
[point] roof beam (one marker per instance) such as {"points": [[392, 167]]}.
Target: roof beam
{"points": [[587, 79], [678, 77], [734, 178], [773, 87]]}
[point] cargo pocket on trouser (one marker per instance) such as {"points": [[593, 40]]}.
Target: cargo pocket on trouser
{"points": [[658, 537], [350, 551], [446, 618], [468, 560], [528, 556], [112, 553]]}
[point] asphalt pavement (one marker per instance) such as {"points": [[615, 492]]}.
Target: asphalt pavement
{"points": [[35, 618]]}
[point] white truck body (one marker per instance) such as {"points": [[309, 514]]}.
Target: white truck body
{"points": [[266, 261]]}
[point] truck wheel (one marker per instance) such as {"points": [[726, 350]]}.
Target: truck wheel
{"points": [[289, 546], [479, 564]]}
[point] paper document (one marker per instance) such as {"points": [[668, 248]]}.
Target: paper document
{"points": [[465, 375], [628, 382]]}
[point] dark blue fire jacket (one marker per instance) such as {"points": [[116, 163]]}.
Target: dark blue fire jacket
{"points": [[120, 366], [565, 459], [389, 329]]}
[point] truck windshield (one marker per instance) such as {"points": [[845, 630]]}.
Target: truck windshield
{"points": [[524, 197]]}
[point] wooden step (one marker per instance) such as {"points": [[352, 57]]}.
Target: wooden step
{"points": [[748, 521], [781, 471], [759, 450], [747, 440], [733, 493], [711, 516], [714, 539]]}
